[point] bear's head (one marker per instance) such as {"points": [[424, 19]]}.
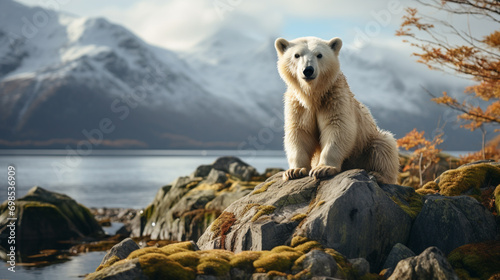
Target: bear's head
{"points": [[309, 64]]}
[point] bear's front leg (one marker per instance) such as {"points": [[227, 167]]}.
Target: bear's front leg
{"points": [[299, 146], [337, 141]]}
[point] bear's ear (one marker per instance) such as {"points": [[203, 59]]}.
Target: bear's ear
{"points": [[335, 44], [281, 45]]}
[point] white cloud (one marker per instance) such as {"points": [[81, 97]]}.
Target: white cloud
{"points": [[179, 24]]}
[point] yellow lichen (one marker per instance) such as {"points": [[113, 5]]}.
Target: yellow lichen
{"points": [[263, 188], [244, 260], [263, 210], [308, 246], [189, 259], [282, 248], [299, 217], [109, 262], [216, 254], [297, 240], [282, 261], [159, 266], [144, 251], [213, 265], [248, 207]]}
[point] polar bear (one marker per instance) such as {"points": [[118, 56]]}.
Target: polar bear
{"points": [[326, 129]]}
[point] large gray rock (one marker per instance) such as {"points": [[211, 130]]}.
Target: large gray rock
{"points": [[320, 263], [398, 253], [44, 216], [349, 213], [121, 250], [130, 270], [185, 208], [450, 222], [235, 167], [431, 264]]}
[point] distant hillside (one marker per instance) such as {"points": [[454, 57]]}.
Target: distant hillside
{"points": [[69, 79]]}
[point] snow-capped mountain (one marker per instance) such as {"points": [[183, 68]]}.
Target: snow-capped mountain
{"points": [[65, 79], [63, 74]]}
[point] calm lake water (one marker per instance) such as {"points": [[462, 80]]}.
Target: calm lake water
{"points": [[128, 179]]}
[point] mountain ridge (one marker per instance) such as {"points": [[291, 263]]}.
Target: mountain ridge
{"points": [[72, 72]]}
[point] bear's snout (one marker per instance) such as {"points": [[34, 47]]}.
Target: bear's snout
{"points": [[308, 72]]}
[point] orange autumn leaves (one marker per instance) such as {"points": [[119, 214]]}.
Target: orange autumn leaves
{"points": [[477, 59], [425, 152]]}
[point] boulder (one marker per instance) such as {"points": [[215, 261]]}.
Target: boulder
{"points": [[350, 213], [319, 263], [360, 265], [118, 252], [431, 264], [398, 253], [130, 270], [185, 208], [44, 216], [450, 222], [235, 167]]}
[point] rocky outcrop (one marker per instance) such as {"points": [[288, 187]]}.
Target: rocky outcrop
{"points": [[350, 213], [185, 208], [431, 264], [450, 222], [44, 216], [304, 259], [335, 228]]}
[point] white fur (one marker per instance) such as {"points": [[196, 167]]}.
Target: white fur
{"points": [[326, 129]]}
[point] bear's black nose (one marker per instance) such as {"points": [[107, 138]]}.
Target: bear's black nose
{"points": [[308, 71]]}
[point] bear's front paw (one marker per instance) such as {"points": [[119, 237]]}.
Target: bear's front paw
{"points": [[294, 173], [323, 171]]}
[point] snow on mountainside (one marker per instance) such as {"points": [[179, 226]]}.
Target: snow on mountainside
{"points": [[62, 75]]}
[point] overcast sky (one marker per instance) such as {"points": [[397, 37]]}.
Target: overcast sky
{"points": [[179, 24]]}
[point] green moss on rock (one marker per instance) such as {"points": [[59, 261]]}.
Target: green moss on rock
{"points": [[297, 240], [189, 259], [304, 248], [145, 251], [281, 261], [110, 262], [244, 260], [159, 266], [467, 179], [213, 265], [478, 260], [413, 204]]}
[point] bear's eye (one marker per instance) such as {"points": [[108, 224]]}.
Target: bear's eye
{"points": [[319, 56], [297, 55]]}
